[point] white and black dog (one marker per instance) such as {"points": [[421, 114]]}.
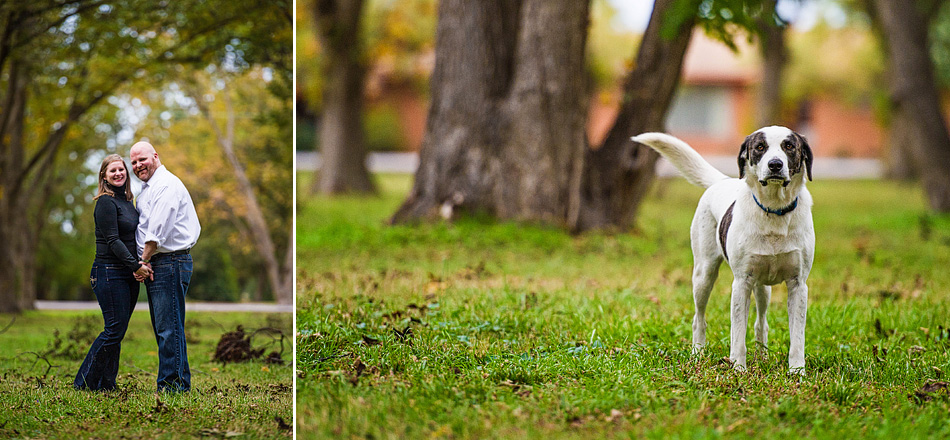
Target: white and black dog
{"points": [[759, 223]]}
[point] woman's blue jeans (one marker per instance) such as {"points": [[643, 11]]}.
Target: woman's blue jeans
{"points": [[166, 301], [117, 291]]}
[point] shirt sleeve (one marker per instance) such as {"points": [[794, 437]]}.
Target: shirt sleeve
{"points": [[107, 219], [158, 221]]}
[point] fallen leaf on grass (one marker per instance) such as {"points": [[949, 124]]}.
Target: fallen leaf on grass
{"points": [[404, 336], [578, 421], [370, 341], [724, 363], [281, 424], [160, 406], [615, 415], [280, 388], [925, 393], [214, 432], [359, 367]]}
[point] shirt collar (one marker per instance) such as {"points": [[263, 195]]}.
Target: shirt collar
{"points": [[157, 174]]}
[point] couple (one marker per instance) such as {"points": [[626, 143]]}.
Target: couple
{"points": [[149, 242]]}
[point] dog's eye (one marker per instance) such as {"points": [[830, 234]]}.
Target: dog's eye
{"points": [[760, 147], [787, 145]]}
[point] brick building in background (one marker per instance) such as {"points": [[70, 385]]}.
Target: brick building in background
{"points": [[713, 109]]}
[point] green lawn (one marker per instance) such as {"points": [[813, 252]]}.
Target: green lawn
{"points": [[482, 329], [234, 400]]}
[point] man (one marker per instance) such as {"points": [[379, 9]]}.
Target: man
{"points": [[168, 228]]}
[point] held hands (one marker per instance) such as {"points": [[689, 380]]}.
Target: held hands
{"points": [[145, 272]]}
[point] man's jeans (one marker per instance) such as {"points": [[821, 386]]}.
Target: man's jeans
{"points": [[166, 301], [117, 291]]}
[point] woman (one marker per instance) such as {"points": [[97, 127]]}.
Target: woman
{"points": [[113, 273]]}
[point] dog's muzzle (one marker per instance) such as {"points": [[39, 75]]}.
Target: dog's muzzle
{"points": [[775, 174], [776, 179]]}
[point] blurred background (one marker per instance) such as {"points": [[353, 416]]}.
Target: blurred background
{"points": [[209, 83], [824, 72]]}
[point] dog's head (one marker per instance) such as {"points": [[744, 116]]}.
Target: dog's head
{"points": [[775, 155]]}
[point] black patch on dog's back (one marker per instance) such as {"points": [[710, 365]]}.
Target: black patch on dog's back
{"points": [[724, 229]]}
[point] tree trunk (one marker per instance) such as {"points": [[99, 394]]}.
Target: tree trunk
{"points": [[617, 175], [774, 59], [898, 159], [341, 140], [506, 128], [914, 97], [17, 286]]}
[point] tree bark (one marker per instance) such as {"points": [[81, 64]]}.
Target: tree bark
{"points": [[617, 175], [774, 58], [341, 140], [17, 286], [914, 97], [898, 159], [505, 131]]}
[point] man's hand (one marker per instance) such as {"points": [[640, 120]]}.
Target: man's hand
{"points": [[145, 272]]}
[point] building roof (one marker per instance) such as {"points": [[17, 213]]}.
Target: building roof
{"points": [[710, 62]]}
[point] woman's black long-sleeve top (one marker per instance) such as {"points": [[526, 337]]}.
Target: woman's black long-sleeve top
{"points": [[116, 221]]}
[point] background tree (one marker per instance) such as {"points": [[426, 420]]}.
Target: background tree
{"points": [[341, 140], [506, 125], [505, 132], [913, 96], [617, 175], [223, 124], [774, 50]]}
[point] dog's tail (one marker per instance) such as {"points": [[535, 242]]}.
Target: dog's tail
{"points": [[696, 170]]}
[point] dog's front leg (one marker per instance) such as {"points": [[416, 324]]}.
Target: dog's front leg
{"points": [[797, 313], [741, 291], [762, 296]]}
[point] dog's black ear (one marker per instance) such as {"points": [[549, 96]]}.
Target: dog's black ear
{"points": [[743, 152], [807, 156]]}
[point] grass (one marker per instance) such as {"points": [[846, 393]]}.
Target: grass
{"points": [[481, 329], [227, 400]]}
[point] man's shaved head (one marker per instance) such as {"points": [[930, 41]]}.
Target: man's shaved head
{"points": [[142, 146]]}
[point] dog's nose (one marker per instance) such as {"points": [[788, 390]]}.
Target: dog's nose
{"points": [[775, 165]]}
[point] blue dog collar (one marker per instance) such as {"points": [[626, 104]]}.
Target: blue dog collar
{"points": [[778, 212]]}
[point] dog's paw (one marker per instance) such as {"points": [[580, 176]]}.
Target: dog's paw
{"points": [[798, 372]]}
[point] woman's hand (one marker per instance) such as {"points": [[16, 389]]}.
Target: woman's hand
{"points": [[145, 272]]}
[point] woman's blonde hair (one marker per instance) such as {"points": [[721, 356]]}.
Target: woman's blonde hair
{"points": [[104, 187]]}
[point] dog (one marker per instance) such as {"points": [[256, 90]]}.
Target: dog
{"points": [[760, 224]]}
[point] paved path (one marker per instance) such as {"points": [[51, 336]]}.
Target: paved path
{"points": [[824, 167], [189, 306]]}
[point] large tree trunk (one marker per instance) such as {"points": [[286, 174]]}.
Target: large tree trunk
{"points": [[914, 97], [341, 140], [18, 251], [506, 127], [618, 174], [774, 58]]}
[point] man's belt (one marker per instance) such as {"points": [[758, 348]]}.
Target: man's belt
{"points": [[168, 254]]}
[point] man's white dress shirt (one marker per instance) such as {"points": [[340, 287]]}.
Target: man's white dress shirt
{"points": [[167, 215]]}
